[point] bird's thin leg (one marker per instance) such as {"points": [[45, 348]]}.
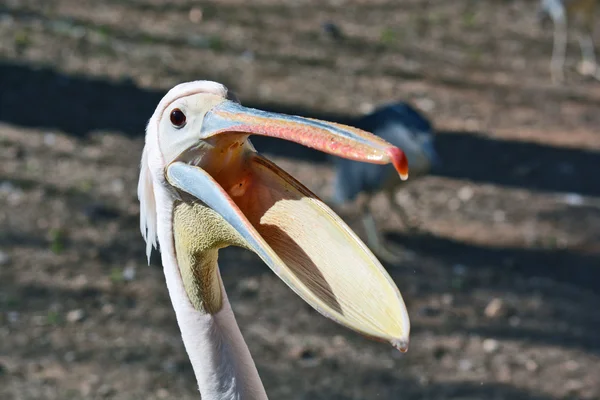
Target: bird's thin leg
{"points": [[559, 49], [588, 65], [374, 238], [398, 209]]}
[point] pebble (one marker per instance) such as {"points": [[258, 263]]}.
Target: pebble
{"points": [[426, 104], [571, 365], [447, 299], [195, 15], [4, 258], [106, 390], [249, 286], [248, 55], [490, 345], [465, 193], [574, 199], [117, 185], [13, 194], [495, 308], [75, 315], [108, 309], [13, 316], [129, 272], [531, 365], [49, 139], [198, 41], [169, 366], [339, 341], [366, 107], [69, 356]]}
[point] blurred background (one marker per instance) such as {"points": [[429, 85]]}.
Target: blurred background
{"points": [[501, 279]]}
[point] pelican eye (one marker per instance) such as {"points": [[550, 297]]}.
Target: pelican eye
{"points": [[177, 118]]}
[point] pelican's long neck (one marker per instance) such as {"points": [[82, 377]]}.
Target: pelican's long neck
{"points": [[219, 355]]}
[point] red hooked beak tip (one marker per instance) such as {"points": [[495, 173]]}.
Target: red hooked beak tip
{"points": [[401, 345], [400, 161]]}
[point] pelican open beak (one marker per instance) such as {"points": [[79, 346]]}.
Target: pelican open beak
{"points": [[296, 234]]}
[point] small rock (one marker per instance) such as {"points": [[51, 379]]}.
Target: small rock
{"points": [[13, 316], [447, 299], [495, 308], [296, 352], [574, 199], [249, 286], [4, 258], [465, 193], [339, 341], [366, 107], [531, 365], [169, 366], [70, 356], [75, 315], [108, 309], [573, 386], [195, 15], [129, 272], [106, 390], [490, 345], [6, 187], [426, 104], [49, 139], [198, 41], [248, 55], [571, 365], [117, 185], [162, 393], [514, 321]]}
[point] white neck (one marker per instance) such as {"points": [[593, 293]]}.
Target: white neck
{"points": [[219, 355]]}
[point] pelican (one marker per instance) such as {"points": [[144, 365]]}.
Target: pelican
{"points": [[204, 187]]}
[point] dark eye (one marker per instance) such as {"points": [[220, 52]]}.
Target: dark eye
{"points": [[177, 118]]}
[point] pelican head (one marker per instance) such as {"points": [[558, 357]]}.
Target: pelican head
{"points": [[204, 187]]}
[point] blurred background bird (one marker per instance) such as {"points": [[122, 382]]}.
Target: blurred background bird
{"points": [[562, 13], [403, 126]]}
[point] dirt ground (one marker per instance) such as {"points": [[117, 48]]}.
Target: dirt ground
{"points": [[502, 285]]}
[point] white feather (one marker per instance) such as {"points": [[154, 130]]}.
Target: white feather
{"points": [[147, 205]]}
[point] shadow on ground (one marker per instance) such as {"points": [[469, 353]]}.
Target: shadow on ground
{"points": [[46, 99]]}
